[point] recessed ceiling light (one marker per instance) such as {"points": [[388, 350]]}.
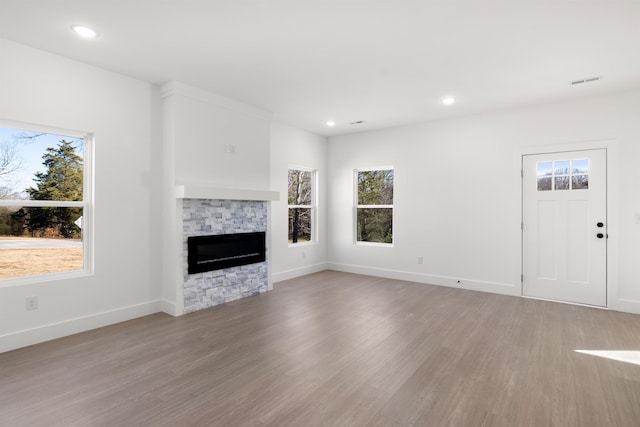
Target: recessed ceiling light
{"points": [[331, 123], [83, 31], [448, 100]]}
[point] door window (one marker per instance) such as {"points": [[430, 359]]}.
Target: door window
{"points": [[563, 175]]}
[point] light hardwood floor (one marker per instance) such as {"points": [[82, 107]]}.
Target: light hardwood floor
{"points": [[336, 349]]}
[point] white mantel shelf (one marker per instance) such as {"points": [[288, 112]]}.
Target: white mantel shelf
{"points": [[197, 192]]}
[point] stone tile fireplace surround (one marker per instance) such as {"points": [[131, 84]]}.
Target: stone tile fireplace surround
{"points": [[202, 215]]}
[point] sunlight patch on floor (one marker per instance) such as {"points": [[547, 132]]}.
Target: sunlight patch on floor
{"points": [[621, 356]]}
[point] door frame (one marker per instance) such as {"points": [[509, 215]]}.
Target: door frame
{"points": [[611, 148]]}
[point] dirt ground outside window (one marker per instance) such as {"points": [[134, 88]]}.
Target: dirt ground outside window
{"points": [[32, 261]]}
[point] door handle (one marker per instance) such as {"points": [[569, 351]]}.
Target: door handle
{"points": [[599, 235]]}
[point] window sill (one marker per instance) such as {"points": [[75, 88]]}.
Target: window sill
{"points": [[381, 245], [40, 278], [295, 245]]}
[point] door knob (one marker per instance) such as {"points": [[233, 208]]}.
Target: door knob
{"points": [[599, 235], [600, 225]]}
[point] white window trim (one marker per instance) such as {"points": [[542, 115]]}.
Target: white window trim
{"points": [[313, 206], [357, 206], [87, 203]]}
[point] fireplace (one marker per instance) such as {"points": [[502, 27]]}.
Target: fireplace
{"points": [[214, 227], [208, 253]]}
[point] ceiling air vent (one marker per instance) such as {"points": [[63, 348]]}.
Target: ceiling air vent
{"points": [[587, 80]]}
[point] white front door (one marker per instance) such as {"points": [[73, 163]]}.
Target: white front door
{"points": [[564, 226]]}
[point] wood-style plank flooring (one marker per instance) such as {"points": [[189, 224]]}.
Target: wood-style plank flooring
{"points": [[336, 349]]}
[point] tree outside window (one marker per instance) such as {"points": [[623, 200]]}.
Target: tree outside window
{"points": [[375, 206], [61, 180], [42, 203], [301, 205]]}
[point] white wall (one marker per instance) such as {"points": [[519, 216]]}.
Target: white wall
{"points": [[45, 89], [457, 193], [203, 124], [291, 147]]}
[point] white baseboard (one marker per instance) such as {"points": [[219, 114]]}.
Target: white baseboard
{"points": [[297, 272], [473, 285], [625, 305], [169, 307], [64, 328]]}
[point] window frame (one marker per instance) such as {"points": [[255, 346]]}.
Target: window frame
{"points": [[358, 206], [87, 203], [313, 206]]}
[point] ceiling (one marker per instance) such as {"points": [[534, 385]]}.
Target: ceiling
{"points": [[386, 63]]}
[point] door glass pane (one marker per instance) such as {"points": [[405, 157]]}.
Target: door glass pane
{"points": [[580, 166], [543, 169], [580, 182], [561, 167], [562, 182], [544, 184]]}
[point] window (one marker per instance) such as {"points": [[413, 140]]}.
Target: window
{"points": [[44, 202], [374, 211], [301, 201], [563, 175]]}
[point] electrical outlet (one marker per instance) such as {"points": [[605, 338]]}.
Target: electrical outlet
{"points": [[31, 303], [420, 260]]}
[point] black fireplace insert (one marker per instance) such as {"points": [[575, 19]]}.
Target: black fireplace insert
{"points": [[206, 253]]}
